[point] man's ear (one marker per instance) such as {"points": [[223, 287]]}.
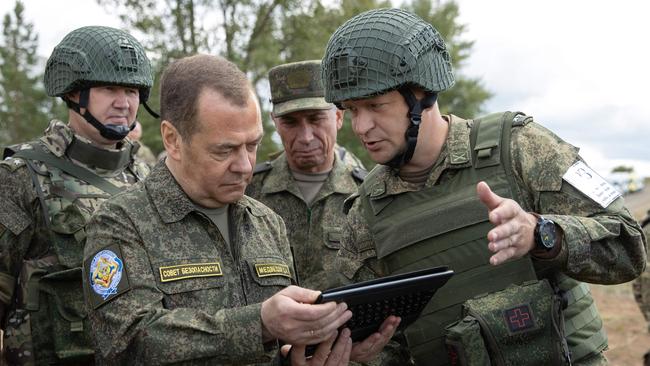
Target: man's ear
{"points": [[73, 96], [171, 139], [339, 118]]}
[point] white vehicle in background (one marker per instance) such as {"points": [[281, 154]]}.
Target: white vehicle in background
{"points": [[626, 182]]}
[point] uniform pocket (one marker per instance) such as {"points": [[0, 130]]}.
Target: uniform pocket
{"points": [[332, 237], [66, 314]]}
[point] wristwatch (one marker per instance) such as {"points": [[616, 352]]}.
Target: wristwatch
{"points": [[545, 234]]}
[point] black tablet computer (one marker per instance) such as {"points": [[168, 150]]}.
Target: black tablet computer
{"points": [[371, 302]]}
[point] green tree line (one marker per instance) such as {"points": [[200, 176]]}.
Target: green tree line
{"points": [[255, 34]]}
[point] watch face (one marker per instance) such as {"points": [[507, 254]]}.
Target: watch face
{"points": [[547, 233]]}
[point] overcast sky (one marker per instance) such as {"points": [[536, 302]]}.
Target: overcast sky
{"points": [[579, 67]]}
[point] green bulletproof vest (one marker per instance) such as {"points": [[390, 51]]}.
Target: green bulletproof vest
{"points": [[447, 225], [49, 288]]}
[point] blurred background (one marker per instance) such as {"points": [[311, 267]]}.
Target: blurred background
{"points": [[578, 66]]}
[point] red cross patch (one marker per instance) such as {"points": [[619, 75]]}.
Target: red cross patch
{"points": [[519, 318]]}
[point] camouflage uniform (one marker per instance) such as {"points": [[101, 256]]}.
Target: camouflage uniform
{"points": [[314, 230], [599, 245], [641, 289], [40, 252], [181, 293]]}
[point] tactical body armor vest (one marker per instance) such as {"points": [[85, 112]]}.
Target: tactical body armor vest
{"points": [[447, 224], [48, 316]]}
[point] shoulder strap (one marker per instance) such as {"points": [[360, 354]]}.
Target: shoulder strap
{"points": [[39, 154], [262, 167], [359, 173], [492, 146]]}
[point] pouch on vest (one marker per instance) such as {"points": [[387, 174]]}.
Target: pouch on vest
{"points": [[521, 324], [62, 295], [465, 344]]}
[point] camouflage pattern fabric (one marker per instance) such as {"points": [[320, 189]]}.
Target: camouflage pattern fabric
{"points": [[297, 86], [593, 237], [641, 290], [175, 311], [314, 231], [30, 249], [145, 155]]}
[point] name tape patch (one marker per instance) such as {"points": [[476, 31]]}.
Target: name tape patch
{"points": [[189, 270], [272, 269], [587, 181]]}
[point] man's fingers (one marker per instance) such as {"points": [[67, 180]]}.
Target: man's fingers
{"points": [[340, 354], [369, 348], [300, 294], [503, 255], [489, 198], [323, 351]]}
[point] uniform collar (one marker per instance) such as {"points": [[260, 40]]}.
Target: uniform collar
{"points": [[171, 202], [280, 179], [455, 154], [61, 140]]}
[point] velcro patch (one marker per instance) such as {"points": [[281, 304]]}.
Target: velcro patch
{"points": [[189, 270], [520, 319], [107, 276], [272, 269]]}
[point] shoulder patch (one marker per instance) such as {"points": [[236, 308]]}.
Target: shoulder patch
{"points": [[591, 184], [12, 163], [262, 167], [106, 275], [359, 173]]}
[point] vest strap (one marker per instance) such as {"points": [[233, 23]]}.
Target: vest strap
{"points": [[597, 341], [578, 321]]}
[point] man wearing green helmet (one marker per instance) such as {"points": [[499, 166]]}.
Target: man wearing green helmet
{"points": [[52, 185], [502, 201]]}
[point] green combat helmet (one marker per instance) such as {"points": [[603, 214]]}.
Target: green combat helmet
{"points": [[94, 56], [297, 86], [383, 50]]}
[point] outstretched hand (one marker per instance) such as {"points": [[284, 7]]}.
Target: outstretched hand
{"points": [[513, 234]]}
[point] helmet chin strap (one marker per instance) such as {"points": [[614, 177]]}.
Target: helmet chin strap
{"points": [[108, 131], [415, 118]]}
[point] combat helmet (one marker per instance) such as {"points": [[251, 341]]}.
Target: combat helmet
{"points": [[383, 50], [94, 56]]}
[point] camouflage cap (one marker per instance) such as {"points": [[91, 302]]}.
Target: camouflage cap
{"points": [[297, 86]]}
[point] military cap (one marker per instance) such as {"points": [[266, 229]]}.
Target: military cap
{"points": [[297, 86]]}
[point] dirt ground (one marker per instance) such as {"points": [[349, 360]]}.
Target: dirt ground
{"points": [[626, 328]]}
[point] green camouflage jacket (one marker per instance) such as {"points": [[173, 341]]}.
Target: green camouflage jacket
{"points": [[314, 231], [40, 259], [162, 285]]}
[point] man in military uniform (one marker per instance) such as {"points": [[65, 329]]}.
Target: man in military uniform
{"points": [[546, 228], [51, 186], [307, 184], [144, 152], [186, 269], [641, 289]]}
